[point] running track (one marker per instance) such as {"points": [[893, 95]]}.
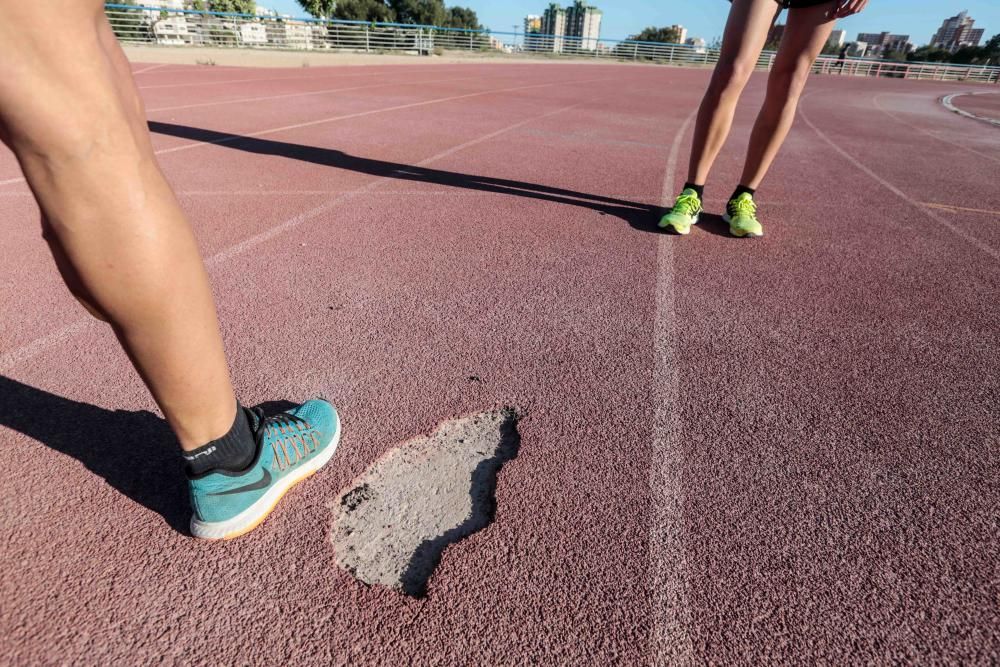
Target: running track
{"points": [[781, 451]]}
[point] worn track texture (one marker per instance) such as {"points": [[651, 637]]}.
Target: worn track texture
{"points": [[776, 451]]}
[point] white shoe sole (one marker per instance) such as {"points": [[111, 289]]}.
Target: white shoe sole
{"points": [[254, 515]]}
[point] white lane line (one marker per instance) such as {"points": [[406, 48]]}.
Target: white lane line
{"points": [[958, 231], [360, 114], [327, 91], [372, 112], [195, 84], [306, 216], [149, 69], [671, 640], [35, 347], [950, 106], [13, 357], [929, 133]]}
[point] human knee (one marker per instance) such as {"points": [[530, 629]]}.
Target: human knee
{"points": [[731, 76], [789, 79]]}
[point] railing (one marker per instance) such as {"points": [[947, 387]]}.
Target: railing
{"points": [[155, 25]]}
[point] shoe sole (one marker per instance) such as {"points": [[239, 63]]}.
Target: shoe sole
{"points": [[745, 235], [254, 515], [670, 228]]}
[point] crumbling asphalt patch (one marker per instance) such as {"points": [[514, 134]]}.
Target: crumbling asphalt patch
{"points": [[394, 522]]}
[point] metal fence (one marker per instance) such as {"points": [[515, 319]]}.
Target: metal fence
{"points": [[174, 27]]}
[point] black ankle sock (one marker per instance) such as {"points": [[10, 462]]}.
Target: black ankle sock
{"points": [[740, 189], [232, 452], [700, 189]]}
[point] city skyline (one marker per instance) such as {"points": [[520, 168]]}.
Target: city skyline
{"points": [[918, 18]]}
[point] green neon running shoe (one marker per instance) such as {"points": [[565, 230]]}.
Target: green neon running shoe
{"points": [[683, 214], [741, 214], [291, 446]]}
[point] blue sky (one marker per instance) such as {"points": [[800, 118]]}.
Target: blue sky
{"points": [[706, 18]]}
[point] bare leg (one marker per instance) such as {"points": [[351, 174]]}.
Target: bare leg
{"points": [[70, 112], [746, 32], [805, 35]]}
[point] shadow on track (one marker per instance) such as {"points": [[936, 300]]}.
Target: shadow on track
{"points": [[134, 452], [640, 216]]}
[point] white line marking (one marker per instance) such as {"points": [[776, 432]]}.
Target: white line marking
{"points": [[372, 112], [929, 133], [670, 641], [192, 84], [35, 347], [245, 100], [149, 69], [360, 114], [899, 193], [947, 102], [17, 355], [288, 225]]}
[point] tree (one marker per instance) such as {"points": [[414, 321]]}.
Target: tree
{"points": [[929, 54], [197, 5], [462, 17], [233, 6], [970, 55], [128, 24], [420, 12], [321, 9], [662, 35], [362, 10]]}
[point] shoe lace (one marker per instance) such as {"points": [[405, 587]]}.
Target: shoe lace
{"points": [[687, 204], [744, 206], [279, 421]]}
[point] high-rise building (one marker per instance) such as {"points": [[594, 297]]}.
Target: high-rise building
{"points": [[554, 27], [577, 27], [884, 42], [583, 24], [837, 38], [957, 32], [682, 33], [532, 30]]}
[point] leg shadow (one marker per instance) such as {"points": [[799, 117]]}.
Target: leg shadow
{"points": [[133, 451]]}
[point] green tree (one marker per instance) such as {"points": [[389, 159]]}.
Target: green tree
{"points": [[321, 9], [662, 35], [233, 6], [197, 5], [929, 54], [970, 55], [363, 10], [420, 12], [462, 17], [128, 24]]}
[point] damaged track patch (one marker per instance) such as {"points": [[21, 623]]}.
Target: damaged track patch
{"points": [[396, 520]]}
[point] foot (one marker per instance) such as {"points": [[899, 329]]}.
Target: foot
{"points": [[741, 214], [684, 213], [290, 447]]}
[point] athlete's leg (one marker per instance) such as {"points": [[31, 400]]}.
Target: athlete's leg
{"points": [[744, 38], [70, 112], [806, 33]]}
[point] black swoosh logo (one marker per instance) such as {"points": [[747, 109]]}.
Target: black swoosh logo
{"points": [[262, 483]]}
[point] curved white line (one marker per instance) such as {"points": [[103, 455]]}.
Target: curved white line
{"points": [[929, 133], [947, 102]]}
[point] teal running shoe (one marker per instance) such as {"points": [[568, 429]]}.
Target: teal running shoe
{"points": [[685, 213], [741, 214], [291, 446]]}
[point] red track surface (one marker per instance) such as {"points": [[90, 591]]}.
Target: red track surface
{"points": [[773, 451]]}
